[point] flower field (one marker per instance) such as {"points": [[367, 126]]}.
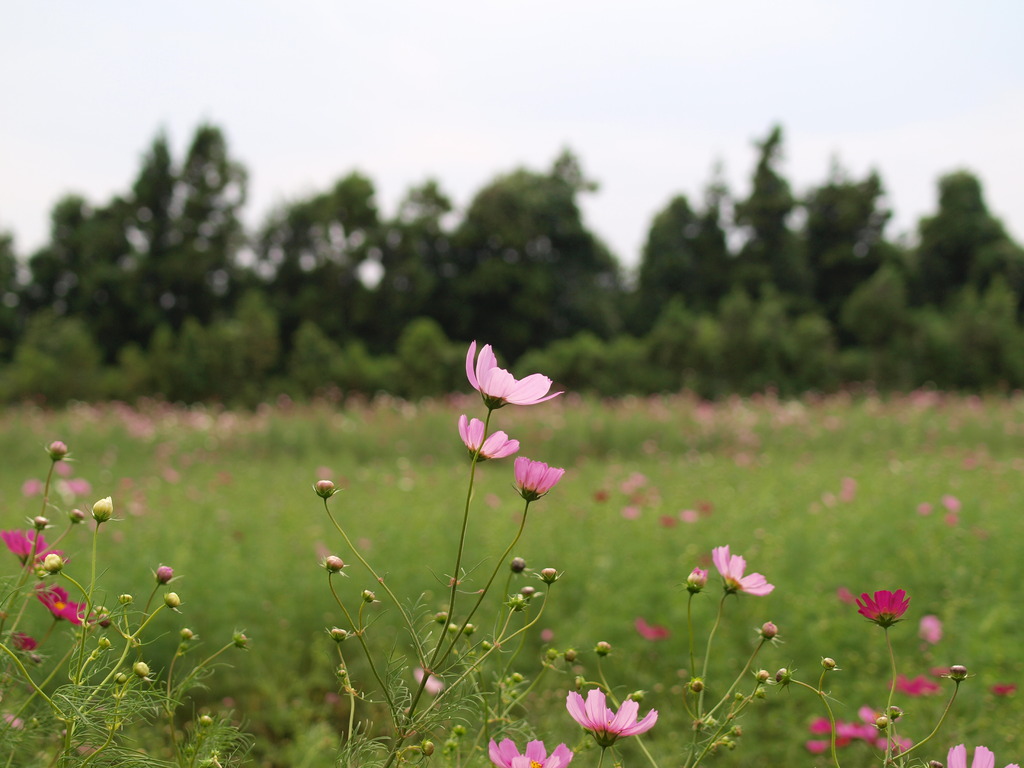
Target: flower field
{"points": [[826, 499]]}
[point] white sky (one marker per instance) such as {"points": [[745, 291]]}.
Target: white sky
{"points": [[649, 95]]}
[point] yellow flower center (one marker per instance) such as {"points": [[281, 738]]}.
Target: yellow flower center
{"points": [[60, 606], [535, 764]]}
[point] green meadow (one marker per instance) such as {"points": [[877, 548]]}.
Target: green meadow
{"points": [[825, 496]]}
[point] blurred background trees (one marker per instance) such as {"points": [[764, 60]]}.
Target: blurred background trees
{"points": [[161, 291]]}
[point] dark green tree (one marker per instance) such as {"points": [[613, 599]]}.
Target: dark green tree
{"points": [[843, 237], [686, 256], [310, 257], [963, 244], [10, 296], [524, 269], [771, 254]]}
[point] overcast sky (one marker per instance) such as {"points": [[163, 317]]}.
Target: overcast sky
{"points": [[648, 94]]}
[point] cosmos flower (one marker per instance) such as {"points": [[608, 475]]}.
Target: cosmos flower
{"points": [[885, 608], [499, 387], [732, 567], [506, 755], [607, 726]]}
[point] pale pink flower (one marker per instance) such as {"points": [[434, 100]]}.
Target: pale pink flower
{"points": [[651, 631], [607, 726], [506, 755], [924, 508], [496, 446], [732, 567], [499, 387], [535, 478], [631, 512], [930, 629], [983, 758], [433, 686], [952, 504]]}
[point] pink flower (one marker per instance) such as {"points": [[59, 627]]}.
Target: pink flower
{"points": [[651, 631], [919, 686], [434, 686], [732, 567], [499, 387], [23, 642], [535, 478], [885, 608], [845, 595], [607, 726], [930, 629], [506, 755], [56, 599], [953, 505], [496, 446], [1004, 689], [20, 543], [983, 758]]}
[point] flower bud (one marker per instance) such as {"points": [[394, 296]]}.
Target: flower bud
{"points": [[76, 516], [935, 764], [763, 675], [517, 602], [120, 678], [603, 648], [324, 489], [338, 634], [958, 672], [103, 643], [551, 654], [894, 713], [205, 720], [441, 617], [468, 630], [783, 676], [570, 655], [428, 748], [171, 600], [124, 599], [516, 678], [40, 523], [486, 645], [518, 565], [527, 592], [57, 450], [187, 634], [369, 596], [240, 640], [881, 722], [164, 574], [103, 510], [53, 563], [769, 630], [549, 575], [637, 696], [696, 580], [141, 669], [828, 663], [696, 685], [333, 564]]}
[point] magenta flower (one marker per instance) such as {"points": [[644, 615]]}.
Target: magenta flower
{"points": [[56, 599], [496, 446], [20, 543], [885, 608], [732, 567], [604, 725], [506, 755], [499, 387], [918, 686], [983, 758], [535, 478]]}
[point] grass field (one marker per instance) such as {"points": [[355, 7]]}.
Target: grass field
{"points": [[855, 492]]}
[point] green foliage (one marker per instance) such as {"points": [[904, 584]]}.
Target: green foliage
{"points": [[428, 363], [56, 361]]}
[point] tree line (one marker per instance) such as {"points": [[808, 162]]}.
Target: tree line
{"points": [[161, 291]]}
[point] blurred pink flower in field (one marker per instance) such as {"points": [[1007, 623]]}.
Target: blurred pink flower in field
{"points": [[604, 725], [930, 629], [846, 596], [732, 568], [496, 446], [983, 758], [689, 516], [667, 521], [918, 686], [631, 512], [651, 631], [23, 642], [324, 472], [20, 544], [171, 475], [547, 634], [633, 483], [885, 608], [847, 732], [433, 685], [535, 478], [76, 486], [924, 508], [951, 503], [63, 469], [506, 755], [499, 387], [848, 490], [32, 487], [1004, 689]]}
